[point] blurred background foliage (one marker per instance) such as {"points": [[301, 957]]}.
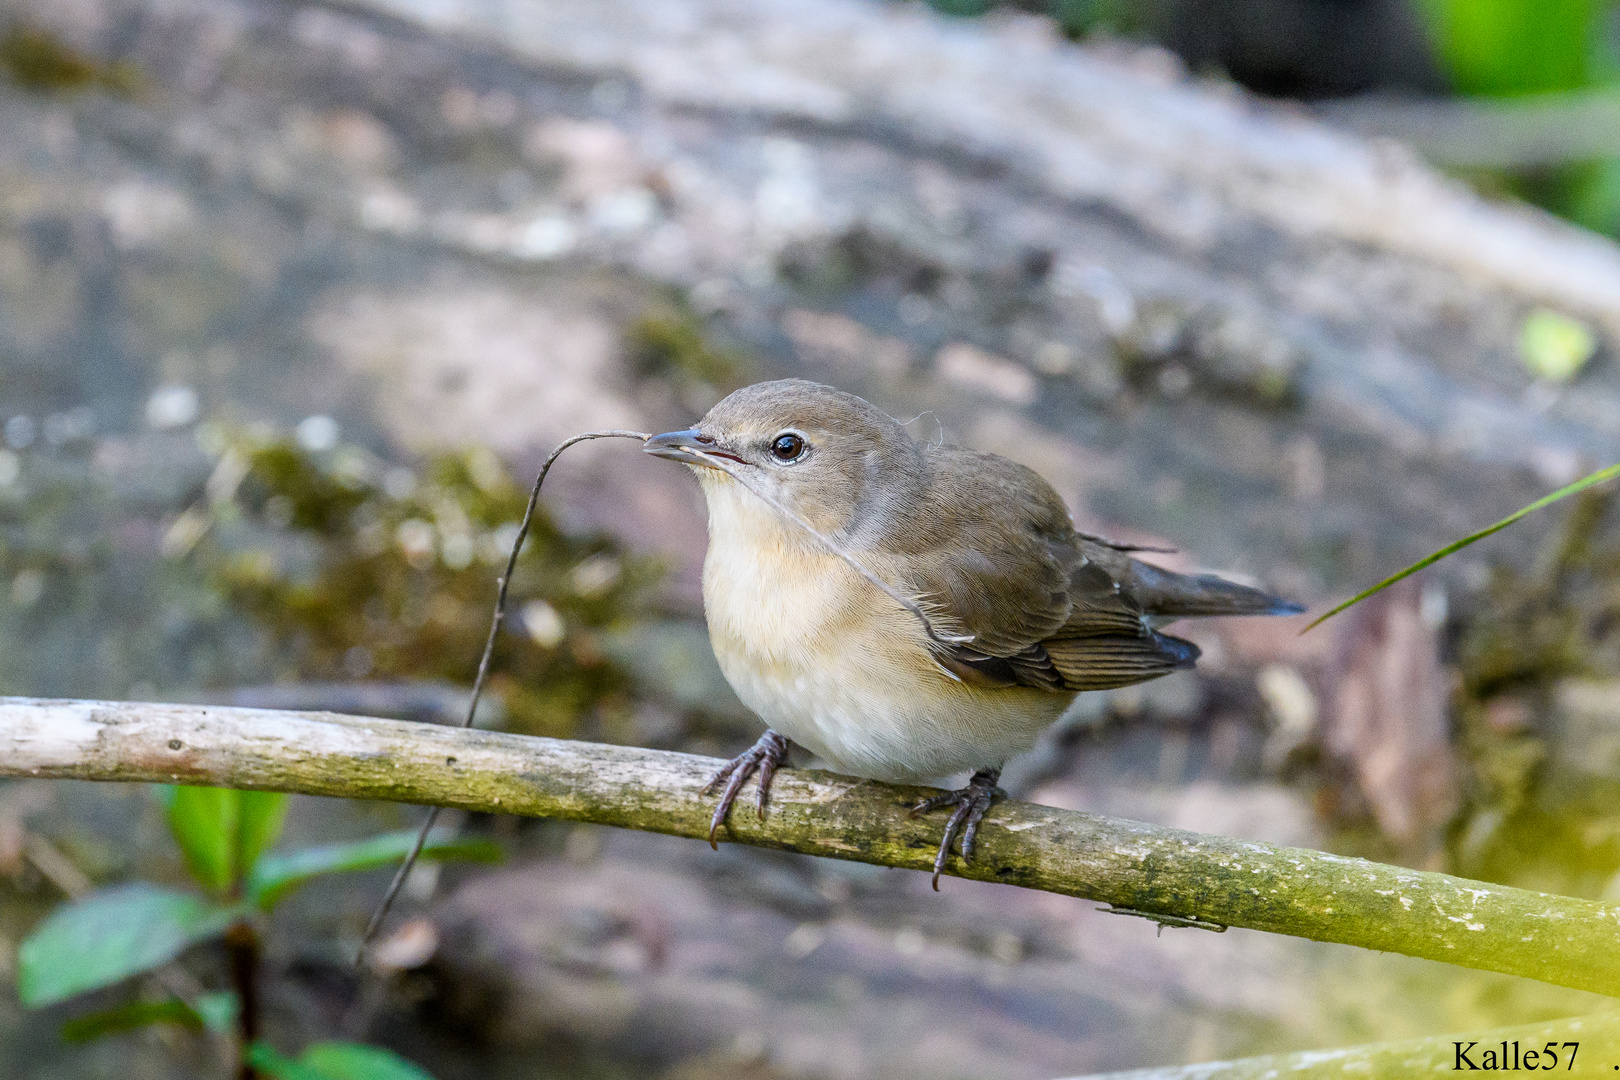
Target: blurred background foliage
{"points": [[1315, 49], [1500, 48]]}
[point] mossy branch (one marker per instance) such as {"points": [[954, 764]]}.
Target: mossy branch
{"points": [[1184, 877]]}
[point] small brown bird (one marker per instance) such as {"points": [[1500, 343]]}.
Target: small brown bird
{"points": [[931, 610]]}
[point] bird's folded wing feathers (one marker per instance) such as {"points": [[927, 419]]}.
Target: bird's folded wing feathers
{"points": [[996, 559], [989, 553], [1102, 663], [1043, 606]]}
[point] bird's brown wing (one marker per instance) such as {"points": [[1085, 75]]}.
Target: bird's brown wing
{"points": [[990, 549], [987, 547]]}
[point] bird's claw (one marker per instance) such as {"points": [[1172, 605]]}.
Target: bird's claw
{"points": [[972, 803], [764, 757]]}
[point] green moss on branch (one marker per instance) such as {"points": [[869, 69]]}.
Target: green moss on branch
{"points": [[1147, 868]]}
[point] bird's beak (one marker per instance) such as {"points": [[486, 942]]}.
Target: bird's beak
{"points": [[687, 447]]}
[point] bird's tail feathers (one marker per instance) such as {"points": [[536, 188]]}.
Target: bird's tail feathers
{"points": [[1164, 593]]}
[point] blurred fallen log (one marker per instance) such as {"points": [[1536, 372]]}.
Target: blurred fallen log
{"points": [[1549, 129], [1180, 877]]}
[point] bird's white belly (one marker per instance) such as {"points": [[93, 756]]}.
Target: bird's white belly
{"points": [[833, 664]]}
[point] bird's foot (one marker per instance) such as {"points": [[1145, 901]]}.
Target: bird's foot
{"points": [[763, 757], [972, 803]]}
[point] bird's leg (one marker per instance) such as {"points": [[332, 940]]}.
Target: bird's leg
{"points": [[972, 803], [763, 757]]}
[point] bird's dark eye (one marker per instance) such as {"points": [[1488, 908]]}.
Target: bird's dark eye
{"points": [[787, 447]]}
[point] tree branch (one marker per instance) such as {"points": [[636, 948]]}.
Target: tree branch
{"points": [[1151, 870]]}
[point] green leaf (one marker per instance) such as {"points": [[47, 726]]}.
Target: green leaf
{"points": [[214, 1012], [223, 832], [205, 822], [274, 1065], [354, 1061], [1429, 560], [260, 825], [277, 875], [110, 935], [1506, 47], [335, 1061]]}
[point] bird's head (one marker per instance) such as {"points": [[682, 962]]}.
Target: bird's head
{"points": [[830, 457]]}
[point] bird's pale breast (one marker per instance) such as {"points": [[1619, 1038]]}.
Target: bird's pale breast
{"points": [[832, 663]]}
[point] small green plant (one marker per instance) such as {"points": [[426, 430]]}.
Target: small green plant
{"points": [[115, 934]]}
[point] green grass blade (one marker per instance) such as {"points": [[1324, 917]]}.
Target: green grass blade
{"points": [[1429, 560]]}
